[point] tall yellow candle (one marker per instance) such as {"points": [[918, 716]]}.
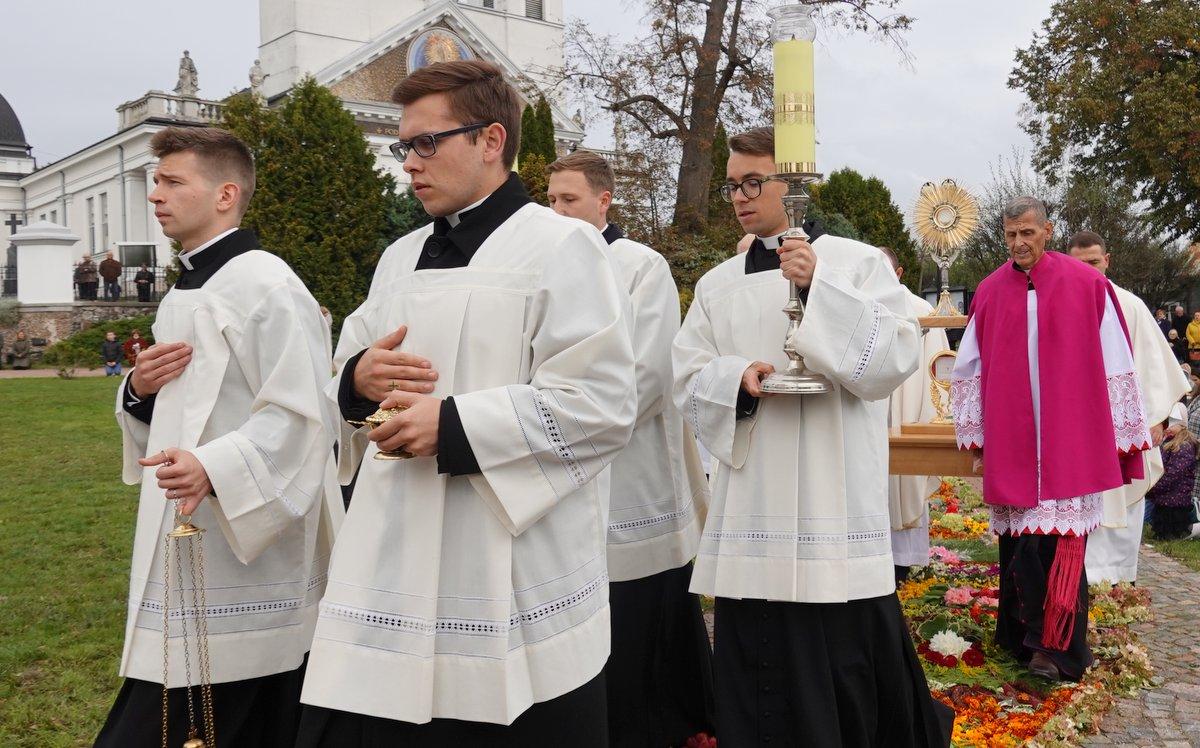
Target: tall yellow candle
{"points": [[795, 115]]}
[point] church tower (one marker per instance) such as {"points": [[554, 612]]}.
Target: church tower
{"points": [[299, 37]]}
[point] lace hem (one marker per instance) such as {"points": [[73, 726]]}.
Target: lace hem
{"points": [[966, 405], [1128, 413], [1078, 516]]}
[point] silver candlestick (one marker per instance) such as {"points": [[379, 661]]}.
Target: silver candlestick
{"points": [[796, 379]]}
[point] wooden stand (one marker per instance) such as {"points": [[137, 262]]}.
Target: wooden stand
{"points": [[927, 449]]}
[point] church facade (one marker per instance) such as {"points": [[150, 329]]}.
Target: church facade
{"points": [[359, 49]]}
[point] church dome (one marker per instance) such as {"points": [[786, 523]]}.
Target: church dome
{"points": [[12, 135]]}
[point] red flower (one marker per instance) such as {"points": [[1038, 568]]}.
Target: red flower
{"points": [[701, 740], [973, 657]]}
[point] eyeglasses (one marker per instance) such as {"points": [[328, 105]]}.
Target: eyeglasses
{"points": [[425, 144], [751, 187]]}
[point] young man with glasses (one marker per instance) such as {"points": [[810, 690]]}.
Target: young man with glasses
{"points": [[659, 676], [468, 595], [810, 645]]}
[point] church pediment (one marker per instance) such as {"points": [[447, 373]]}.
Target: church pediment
{"points": [[442, 33], [374, 81]]}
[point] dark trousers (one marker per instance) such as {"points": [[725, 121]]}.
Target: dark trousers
{"points": [[1025, 562], [112, 290], [87, 291], [825, 675], [577, 718], [143, 291], [659, 674], [255, 713]]}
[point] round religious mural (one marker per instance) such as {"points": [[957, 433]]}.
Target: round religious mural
{"points": [[437, 45]]}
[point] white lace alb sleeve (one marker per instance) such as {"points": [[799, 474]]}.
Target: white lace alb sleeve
{"points": [[966, 393], [1124, 389]]}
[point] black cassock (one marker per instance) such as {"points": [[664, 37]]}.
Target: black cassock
{"points": [[258, 712], [660, 689]]}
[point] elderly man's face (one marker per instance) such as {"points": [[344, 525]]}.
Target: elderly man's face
{"points": [[1178, 311], [1026, 238]]}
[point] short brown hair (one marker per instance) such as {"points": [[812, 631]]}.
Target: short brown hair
{"points": [[477, 92], [595, 169], [757, 142], [1083, 239], [892, 258], [224, 155]]}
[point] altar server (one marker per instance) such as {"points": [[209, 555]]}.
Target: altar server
{"points": [[468, 594], [225, 416], [908, 495], [1112, 549], [659, 675], [810, 646]]}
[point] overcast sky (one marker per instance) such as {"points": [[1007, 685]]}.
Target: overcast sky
{"points": [[67, 64]]}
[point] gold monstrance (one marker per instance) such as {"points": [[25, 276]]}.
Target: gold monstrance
{"points": [[793, 32], [187, 534], [945, 216]]}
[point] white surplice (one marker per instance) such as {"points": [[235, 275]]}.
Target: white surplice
{"points": [[474, 597], [1074, 515], [659, 490], [799, 510], [908, 495], [1112, 549], [251, 407]]}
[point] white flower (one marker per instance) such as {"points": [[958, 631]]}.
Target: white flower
{"points": [[949, 644]]}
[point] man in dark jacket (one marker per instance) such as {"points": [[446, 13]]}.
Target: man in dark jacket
{"points": [[111, 351], [144, 280], [110, 271], [86, 278]]}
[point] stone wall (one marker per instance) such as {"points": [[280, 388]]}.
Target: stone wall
{"points": [[57, 321]]}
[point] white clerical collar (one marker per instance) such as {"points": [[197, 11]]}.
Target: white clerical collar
{"points": [[772, 242], [453, 219], [185, 258]]}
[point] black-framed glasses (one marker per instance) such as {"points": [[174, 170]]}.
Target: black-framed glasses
{"points": [[425, 144], [751, 187]]}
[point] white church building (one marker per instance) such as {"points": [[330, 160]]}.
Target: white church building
{"points": [[94, 200]]}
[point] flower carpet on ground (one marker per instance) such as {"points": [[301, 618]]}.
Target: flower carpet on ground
{"points": [[951, 607]]}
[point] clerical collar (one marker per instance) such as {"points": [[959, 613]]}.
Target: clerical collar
{"points": [[454, 218], [453, 245], [612, 232], [762, 256], [186, 258], [220, 250]]}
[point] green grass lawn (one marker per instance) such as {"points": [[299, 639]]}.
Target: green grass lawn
{"points": [[1186, 552], [66, 527]]}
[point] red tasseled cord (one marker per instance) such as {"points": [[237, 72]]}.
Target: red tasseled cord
{"points": [[1062, 592]]}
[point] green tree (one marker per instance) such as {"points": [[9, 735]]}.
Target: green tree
{"points": [[866, 203], [545, 143], [1114, 93], [320, 203], [1143, 262], [532, 172], [529, 127]]}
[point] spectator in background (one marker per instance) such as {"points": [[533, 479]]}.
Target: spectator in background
{"points": [[1179, 321], [1178, 345], [144, 280], [134, 346], [110, 271], [1164, 324], [111, 351], [1172, 495], [86, 278], [1193, 338], [19, 355]]}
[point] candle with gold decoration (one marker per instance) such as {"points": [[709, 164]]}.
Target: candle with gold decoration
{"points": [[795, 116]]}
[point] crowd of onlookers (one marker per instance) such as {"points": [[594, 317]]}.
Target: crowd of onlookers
{"points": [[1173, 503], [114, 352], [88, 277]]}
